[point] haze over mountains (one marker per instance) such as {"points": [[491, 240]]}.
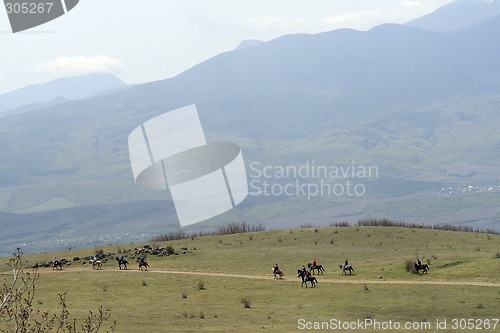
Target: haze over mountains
{"points": [[457, 15], [423, 106], [57, 91]]}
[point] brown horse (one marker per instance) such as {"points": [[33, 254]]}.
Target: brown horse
{"points": [[312, 268], [122, 262], [278, 274], [306, 278], [345, 268], [143, 264]]}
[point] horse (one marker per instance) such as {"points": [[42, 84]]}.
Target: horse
{"points": [[143, 264], [122, 262], [57, 264], [312, 268], [423, 267], [278, 274], [306, 279], [96, 264], [345, 268]]}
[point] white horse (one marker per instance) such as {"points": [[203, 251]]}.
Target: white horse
{"points": [[96, 264]]}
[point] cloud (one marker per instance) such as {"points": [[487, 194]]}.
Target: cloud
{"points": [[411, 3], [80, 65], [276, 25], [358, 19]]}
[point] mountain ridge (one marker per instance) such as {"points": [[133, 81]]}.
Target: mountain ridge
{"points": [[69, 88], [404, 98]]}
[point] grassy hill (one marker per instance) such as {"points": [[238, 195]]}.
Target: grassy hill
{"points": [[462, 281]]}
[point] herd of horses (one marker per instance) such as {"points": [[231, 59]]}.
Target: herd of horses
{"points": [[307, 276], [97, 264]]}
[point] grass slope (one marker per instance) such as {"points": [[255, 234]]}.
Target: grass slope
{"points": [[462, 282]]}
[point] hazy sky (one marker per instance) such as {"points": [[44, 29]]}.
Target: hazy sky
{"points": [[147, 40]]}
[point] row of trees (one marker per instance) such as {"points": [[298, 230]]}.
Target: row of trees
{"points": [[226, 229]]}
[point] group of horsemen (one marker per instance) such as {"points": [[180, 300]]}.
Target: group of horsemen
{"points": [[305, 272], [95, 260]]}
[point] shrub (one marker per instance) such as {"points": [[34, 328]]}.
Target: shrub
{"points": [[410, 266], [17, 300], [170, 249], [246, 302], [201, 285], [238, 228]]}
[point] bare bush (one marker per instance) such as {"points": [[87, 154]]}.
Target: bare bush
{"points": [[246, 302], [227, 229], [239, 228], [410, 266], [446, 227], [18, 315]]}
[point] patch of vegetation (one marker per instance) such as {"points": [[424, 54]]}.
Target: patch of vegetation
{"points": [[446, 227], [201, 285], [18, 313], [246, 302], [226, 229]]}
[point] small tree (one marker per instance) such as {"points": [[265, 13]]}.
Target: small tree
{"points": [[18, 315]]}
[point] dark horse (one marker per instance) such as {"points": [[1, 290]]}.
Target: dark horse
{"points": [[422, 267], [57, 265], [346, 268], [306, 278], [143, 264], [122, 262], [312, 268]]}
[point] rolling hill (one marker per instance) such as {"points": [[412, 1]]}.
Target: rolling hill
{"points": [[201, 285]]}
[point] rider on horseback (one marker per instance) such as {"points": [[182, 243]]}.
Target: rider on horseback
{"points": [[276, 269], [346, 263], [314, 263], [142, 259]]}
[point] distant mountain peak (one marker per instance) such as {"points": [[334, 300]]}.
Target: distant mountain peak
{"points": [[248, 43]]}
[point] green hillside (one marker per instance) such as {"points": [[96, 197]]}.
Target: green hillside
{"points": [[201, 288]]}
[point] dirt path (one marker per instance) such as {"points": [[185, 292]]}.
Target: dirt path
{"points": [[291, 278]]}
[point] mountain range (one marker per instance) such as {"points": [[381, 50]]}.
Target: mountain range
{"points": [[420, 105]]}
